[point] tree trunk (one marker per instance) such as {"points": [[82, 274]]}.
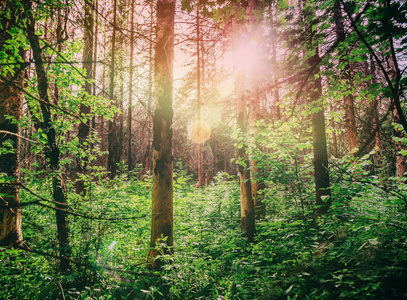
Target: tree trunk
{"points": [[320, 161], [334, 138], [398, 133], [11, 102], [52, 152], [112, 124], [162, 194], [374, 111], [84, 125], [399, 145], [257, 183], [246, 199], [347, 77], [147, 157], [198, 98], [276, 94], [129, 116], [248, 225]]}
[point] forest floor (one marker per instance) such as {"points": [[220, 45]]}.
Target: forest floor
{"points": [[357, 251]]}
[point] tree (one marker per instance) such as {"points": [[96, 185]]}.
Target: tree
{"points": [[257, 182], [162, 194], [314, 92], [385, 21], [129, 117], [199, 99], [346, 75], [84, 126], [52, 151], [114, 153], [246, 199], [11, 102]]}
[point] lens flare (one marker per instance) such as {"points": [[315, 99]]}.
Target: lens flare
{"points": [[199, 132]]}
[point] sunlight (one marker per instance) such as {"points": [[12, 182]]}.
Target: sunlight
{"points": [[226, 87], [199, 132], [246, 55], [112, 244]]}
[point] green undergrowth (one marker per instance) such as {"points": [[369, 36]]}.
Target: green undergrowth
{"points": [[357, 251]]}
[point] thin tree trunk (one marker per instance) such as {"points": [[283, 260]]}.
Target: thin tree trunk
{"points": [[399, 145], [148, 156], [84, 126], [274, 63], [347, 77], [95, 48], [374, 110], [162, 194], [401, 166], [246, 199], [198, 88], [257, 184], [129, 132], [112, 135], [314, 91], [52, 152], [334, 138]]}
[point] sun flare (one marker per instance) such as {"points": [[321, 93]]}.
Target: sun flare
{"points": [[199, 132]]}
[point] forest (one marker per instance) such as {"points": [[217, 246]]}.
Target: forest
{"points": [[203, 149]]}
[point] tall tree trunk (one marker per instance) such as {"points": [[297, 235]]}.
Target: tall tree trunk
{"points": [[162, 194], [314, 91], [398, 133], [84, 126], [334, 138], [374, 111], [257, 183], [129, 116], [246, 199], [52, 152], [147, 157], [198, 98], [95, 48], [347, 77], [11, 102], [112, 124], [274, 64]]}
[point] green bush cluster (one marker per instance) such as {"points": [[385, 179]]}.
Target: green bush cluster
{"points": [[357, 251]]}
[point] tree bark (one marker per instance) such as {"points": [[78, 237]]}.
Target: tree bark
{"points": [[198, 90], [129, 116], [257, 183], [320, 161], [52, 152], [346, 75], [147, 157], [84, 126], [246, 199], [334, 138], [114, 153], [162, 194], [401, 166], [11, 102], [374, 110]]}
